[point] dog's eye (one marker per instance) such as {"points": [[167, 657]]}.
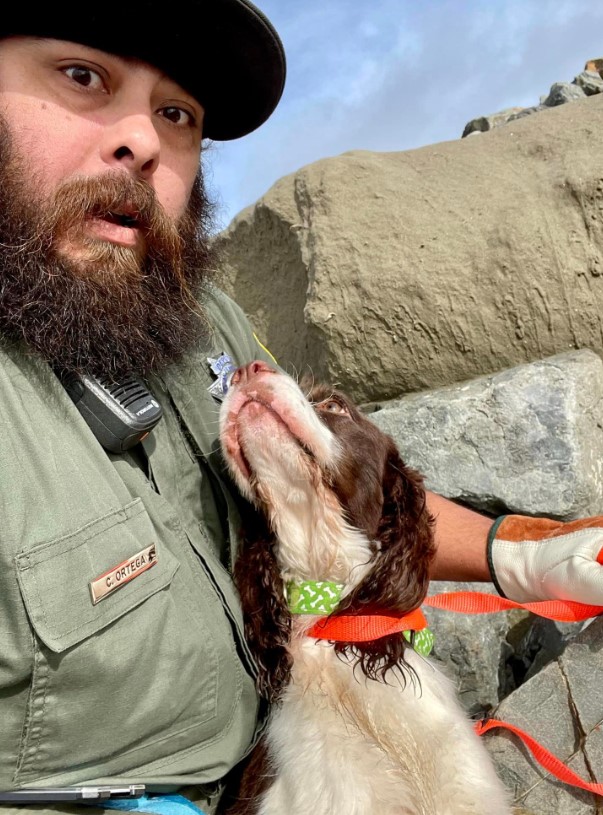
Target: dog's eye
{"points": [[332, 406]]}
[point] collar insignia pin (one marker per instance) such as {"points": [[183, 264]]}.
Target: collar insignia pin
{"points": [[222, 367]]}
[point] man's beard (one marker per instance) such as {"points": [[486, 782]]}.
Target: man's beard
{"points": [[104, 309]]}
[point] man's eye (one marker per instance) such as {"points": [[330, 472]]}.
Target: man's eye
{"points": [[85, 76], [177, 116]]}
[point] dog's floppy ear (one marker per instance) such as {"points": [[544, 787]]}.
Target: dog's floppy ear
{"points": [[399, 578], [267, 617]]}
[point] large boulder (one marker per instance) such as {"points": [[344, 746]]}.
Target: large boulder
{"points": [[397, 272], [562, 92], [591, 82]]}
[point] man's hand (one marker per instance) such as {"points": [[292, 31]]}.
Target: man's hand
{"points": [[534, 559], [528, 559]]}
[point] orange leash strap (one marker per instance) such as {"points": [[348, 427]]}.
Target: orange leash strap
{"points": [[468, 602], [472, 602], [546, 759], [365, 627]]}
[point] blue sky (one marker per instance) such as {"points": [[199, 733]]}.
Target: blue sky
{"points": [[395, 74]]}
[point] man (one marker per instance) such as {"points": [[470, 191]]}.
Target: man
{"points": [[105, 270]]}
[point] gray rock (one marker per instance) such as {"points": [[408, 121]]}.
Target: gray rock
{"points": [[591, 82], [527, 112], [484, 123], [562, 707], [527, 440], [587, 83], [488, 656], [541, 642], [562, 92]]}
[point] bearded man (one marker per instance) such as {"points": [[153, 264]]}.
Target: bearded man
{"points": [[105, 271]]}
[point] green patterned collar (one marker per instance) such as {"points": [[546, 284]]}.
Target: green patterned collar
{"points": [[313, 596]]}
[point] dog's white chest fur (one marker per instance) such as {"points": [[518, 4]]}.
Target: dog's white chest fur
{"points": [[342, 744]]}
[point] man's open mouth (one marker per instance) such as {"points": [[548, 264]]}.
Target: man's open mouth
{"points": [[130, 220], [125, 227]]}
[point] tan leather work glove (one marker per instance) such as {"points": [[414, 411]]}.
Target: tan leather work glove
{"points": [[538, 559]]}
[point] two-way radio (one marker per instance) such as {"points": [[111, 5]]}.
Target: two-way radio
{"points": [[119, 414]]}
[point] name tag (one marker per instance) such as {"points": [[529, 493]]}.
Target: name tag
{"points": [[123, 573]]}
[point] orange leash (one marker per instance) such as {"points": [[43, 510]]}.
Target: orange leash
{"points": [[473, 602], [366, 627], [545, 758], [467, 602]]}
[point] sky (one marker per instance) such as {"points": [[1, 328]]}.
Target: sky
{"points": [[398, 74]]}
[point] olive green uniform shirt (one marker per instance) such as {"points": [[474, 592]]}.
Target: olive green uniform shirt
{"points": [[153, 684]]}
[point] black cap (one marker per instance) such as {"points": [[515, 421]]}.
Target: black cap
{"points": [[225, 53]]}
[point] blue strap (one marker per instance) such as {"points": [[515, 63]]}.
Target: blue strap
{"points": [[159, 804]]}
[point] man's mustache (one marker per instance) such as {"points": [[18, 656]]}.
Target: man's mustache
{"points": [[113, 196]]}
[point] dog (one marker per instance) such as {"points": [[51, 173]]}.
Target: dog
{"points": [[356, 727]]}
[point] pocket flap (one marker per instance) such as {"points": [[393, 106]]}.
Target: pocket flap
{"points": [[55, 577]]}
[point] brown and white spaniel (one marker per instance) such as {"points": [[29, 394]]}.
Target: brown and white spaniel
{"points": [[356, 728]]}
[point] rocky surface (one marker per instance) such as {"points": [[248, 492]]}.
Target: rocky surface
{"points": [[527, 440], [587, 83], [390, 273], [484, 123], [562, 707], [536, 675], [591, 82]]}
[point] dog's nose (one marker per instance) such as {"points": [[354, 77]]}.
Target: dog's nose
{"points": [[247, 372]]}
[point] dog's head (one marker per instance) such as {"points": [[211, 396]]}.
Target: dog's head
{"points": [[336, 502]]}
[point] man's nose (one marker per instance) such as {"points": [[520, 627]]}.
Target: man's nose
{"points": [[131, 143]]}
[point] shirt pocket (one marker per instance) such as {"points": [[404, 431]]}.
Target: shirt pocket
{"points": [[55, 578], [112, 679]]}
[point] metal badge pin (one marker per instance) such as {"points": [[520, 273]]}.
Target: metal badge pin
{"points": [[222, 368]]}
